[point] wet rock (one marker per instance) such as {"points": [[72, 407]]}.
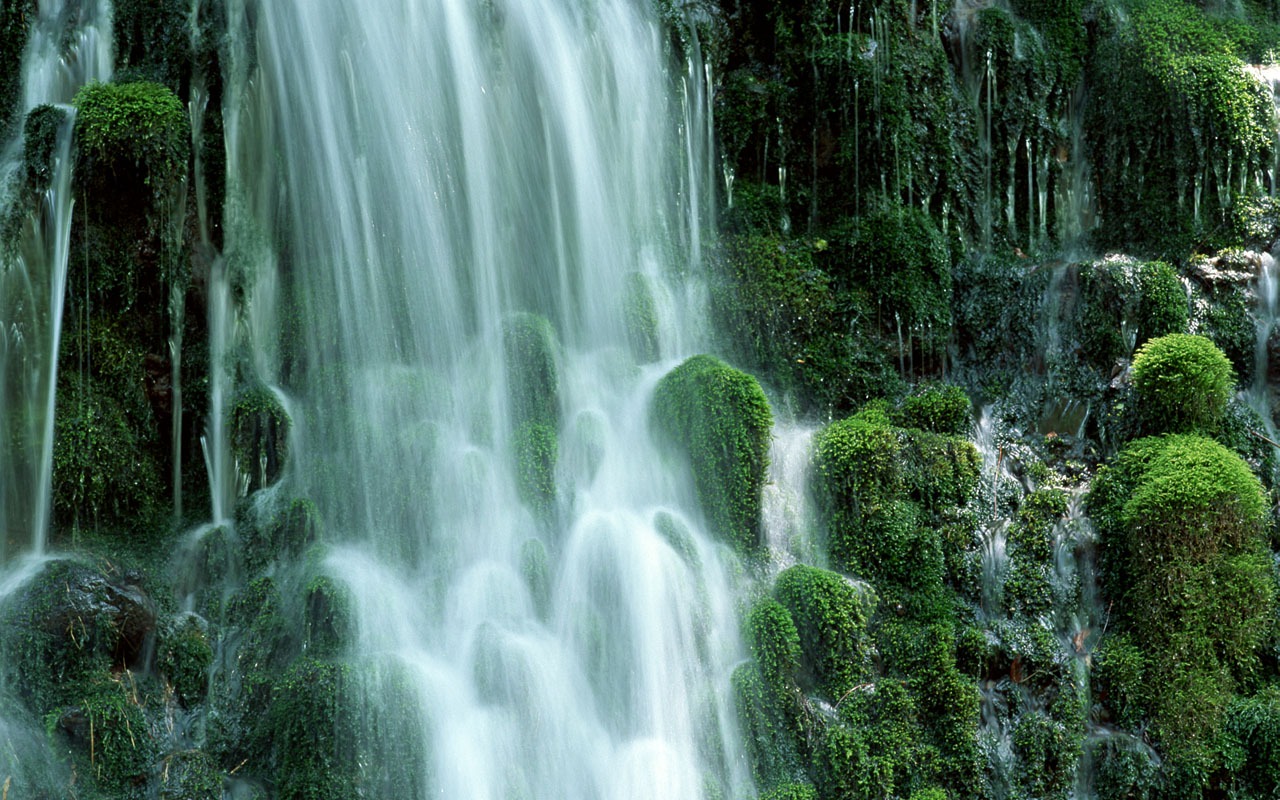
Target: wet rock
{"points": [[1229, 267], [83, 607]]}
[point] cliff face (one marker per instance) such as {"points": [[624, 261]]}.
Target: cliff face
{"points": [[1003, 270]]}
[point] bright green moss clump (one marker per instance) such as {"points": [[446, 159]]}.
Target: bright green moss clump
{"points": [[132, 131], [1186, 564], [937, 407], [1183, 383], [831, 615], [1123, 303], [721, 419], [39, 142], [260, 435]]}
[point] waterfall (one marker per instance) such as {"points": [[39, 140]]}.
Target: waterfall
{"points": [[68, 46], [450, 204]]}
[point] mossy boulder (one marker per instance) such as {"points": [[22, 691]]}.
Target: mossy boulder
{"points": [[937, 407], [131, 133], [1122, 304], [831, 615], [39, 145], [310, 732], [533, 377], [184, 656], [1186, 565], [1181, 384], [328, 617], [641, 315], [260, 435], [775, 644], [537, 449], [719, 418]]}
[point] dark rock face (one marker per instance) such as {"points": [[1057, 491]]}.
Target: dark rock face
{"points": [[73, 607]]}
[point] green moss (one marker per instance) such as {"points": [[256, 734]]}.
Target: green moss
{"points": [[1048, 752], [108, 732], [260, 435], [189, 775], [184, 657], [328, 617], [533, 379], [767, 738], [775, 644], [642, 319], [1175, 121], [719, 417], [1186, 566], [1123, 303], [1252, 728], [830, 615], [39, 145], [1182, 383], [131, 132], [792, 791], [937, 407], [536, 569], [310, 731], [858, 461], [776, 303], [537, 448], [899, 253], [15, 24], [103, 475], [939, 472]]}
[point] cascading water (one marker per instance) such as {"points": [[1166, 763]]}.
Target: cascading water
{"points": [[69, 45], [465, 197]]}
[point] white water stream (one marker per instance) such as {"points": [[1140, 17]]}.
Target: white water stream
{"points": [[406, 179]]}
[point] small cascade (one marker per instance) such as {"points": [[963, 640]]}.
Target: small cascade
{"points": [[69, 45], [1259, 395], [994, 532], [789, 516]]}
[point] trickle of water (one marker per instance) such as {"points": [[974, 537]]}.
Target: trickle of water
{"points": [[68, 46], [789, 517]]}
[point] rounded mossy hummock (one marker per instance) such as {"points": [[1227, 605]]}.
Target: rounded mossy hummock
{"points": [[641, 316], [328, 617], [938, 407], [39, 145], [720, 419], [536, 453], [1123, 303], [830, 614], [533, 377], [184, 656], [130, 133], [260, 436], [1181, 384], [775, 644], [1185, 563], [310, 732]]}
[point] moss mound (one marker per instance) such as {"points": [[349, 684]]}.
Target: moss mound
{"points": [[1182, 383], [721, 420], [131, 132]]}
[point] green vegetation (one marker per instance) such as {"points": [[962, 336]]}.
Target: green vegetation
{"points": [[720, 420], [260, 435], [1171, 104], [1182, 384], [537, 448], [184, 656], [938, 407], [642, 319], [830, 615], [1187, 566], [1124, 303], [39, 145], [131, 132]]}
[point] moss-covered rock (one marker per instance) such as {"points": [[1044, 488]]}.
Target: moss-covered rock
{"points": [[189, 775], [1176, 124], [1186, 565], [1182, 384], [533, 378], [310, 732], [327, 618], [937, 407], [260, 435], [537, 449], [831, 614], [183, 656], [133, 133], [39, 145], [720, 419], [1122, 304], [641, 315]]}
